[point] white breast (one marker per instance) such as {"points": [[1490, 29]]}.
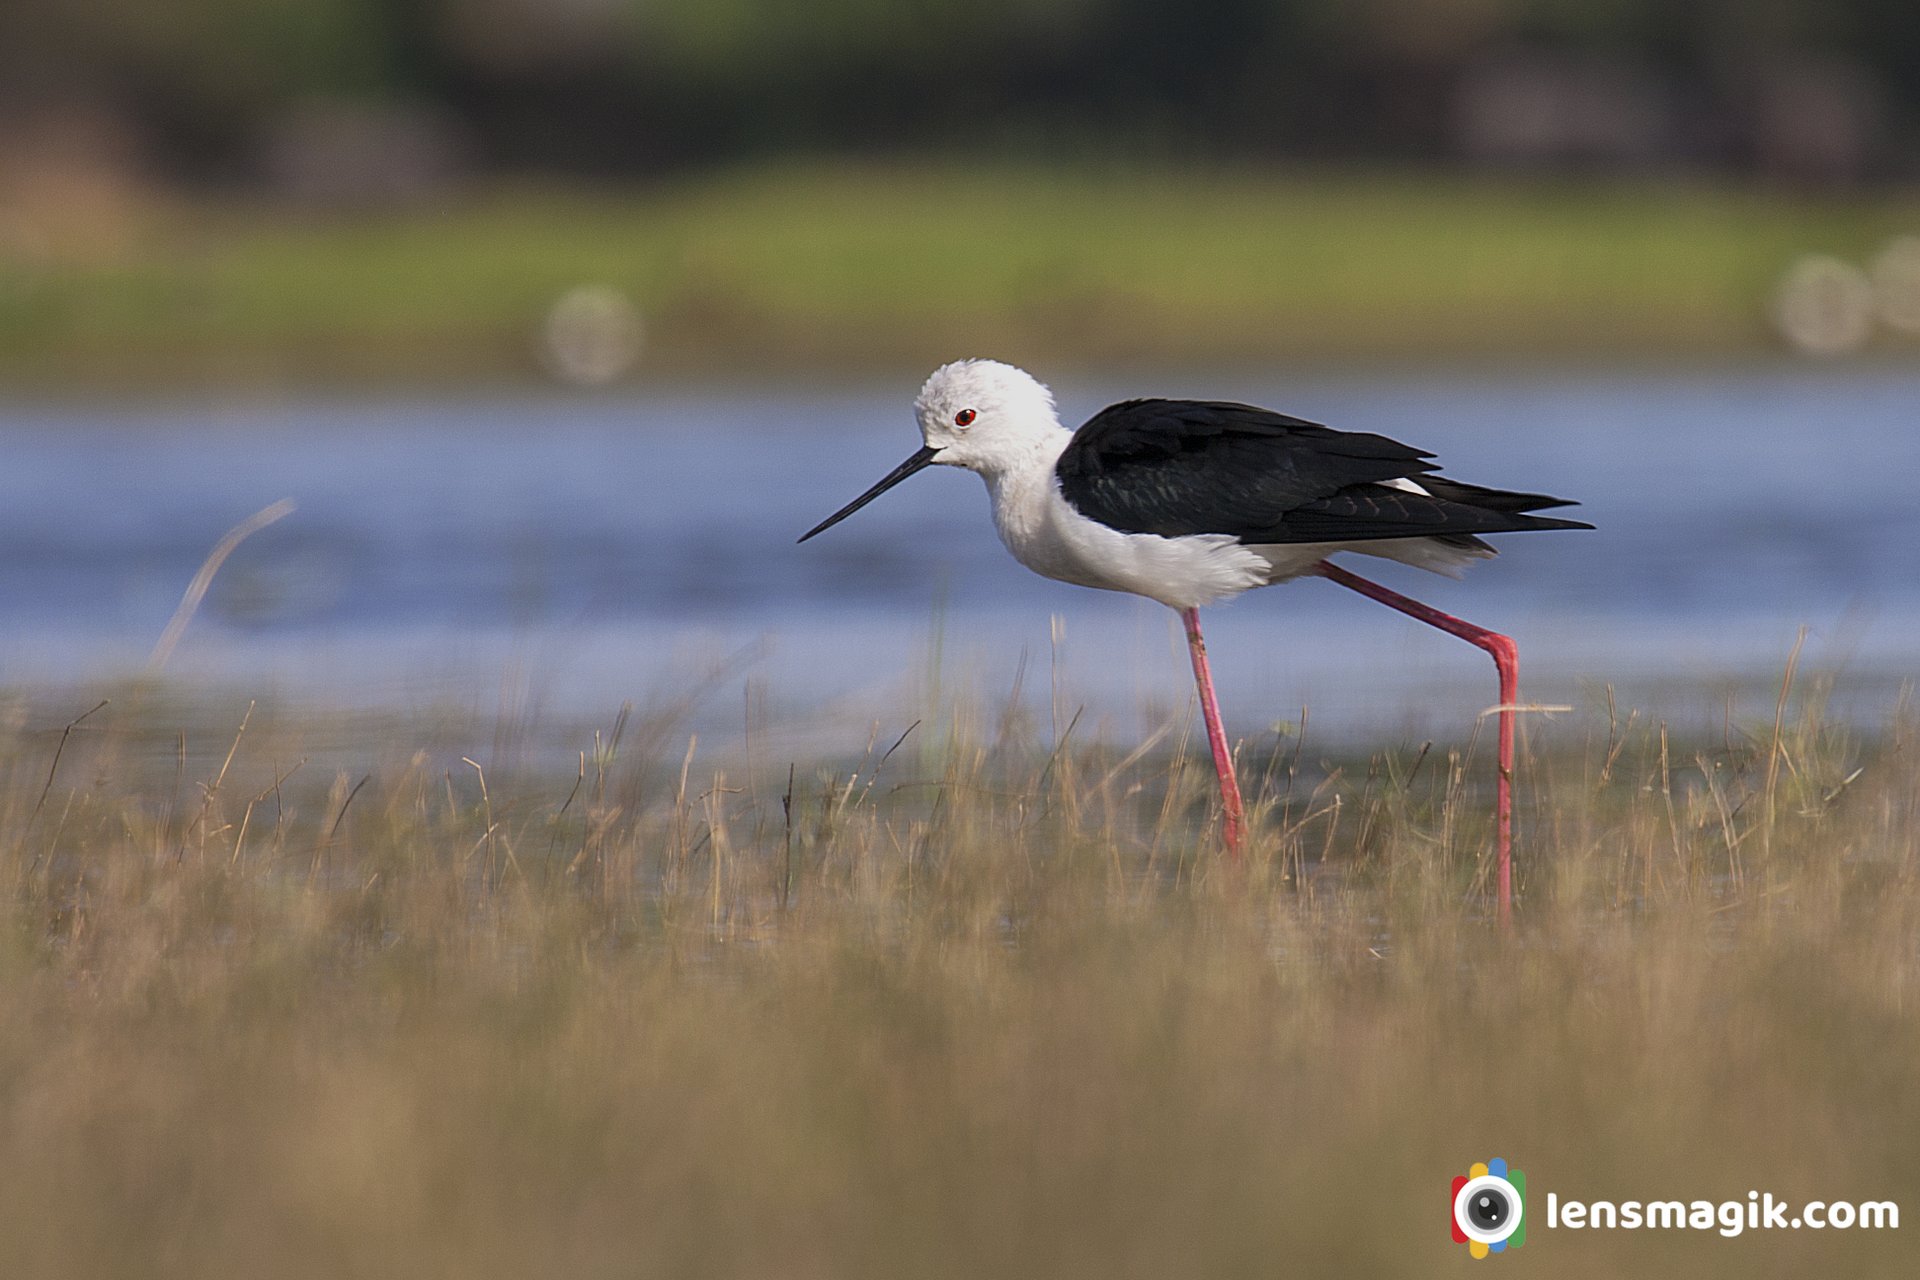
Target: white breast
{"points": [[1046, 534]]}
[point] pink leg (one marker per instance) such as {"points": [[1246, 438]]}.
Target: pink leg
{"points": [[1506, 658], [1216, 735]]}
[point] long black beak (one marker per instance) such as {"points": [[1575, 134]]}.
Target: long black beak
{"points": [[924, 458]]}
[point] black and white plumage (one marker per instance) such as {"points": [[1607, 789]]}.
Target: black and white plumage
{"points": [[1193, 501]]}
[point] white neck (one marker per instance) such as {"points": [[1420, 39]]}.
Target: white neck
{"points": [[1018, 464], [1020, 484]]}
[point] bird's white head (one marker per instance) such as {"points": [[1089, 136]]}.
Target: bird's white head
{"points": [[984, 415], [988, 417]]}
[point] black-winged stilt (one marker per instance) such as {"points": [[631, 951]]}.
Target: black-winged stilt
{"points": [[1193, 501]]}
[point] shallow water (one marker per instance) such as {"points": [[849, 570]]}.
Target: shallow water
{"points": [[572, 553]]}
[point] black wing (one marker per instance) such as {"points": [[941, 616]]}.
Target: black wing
{"points": [[1181, 467]]}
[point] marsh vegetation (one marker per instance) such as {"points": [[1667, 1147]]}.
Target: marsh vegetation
{"points": [[319, 997]]}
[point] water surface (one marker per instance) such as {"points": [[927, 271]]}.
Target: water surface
{"points": [[579, 552]]}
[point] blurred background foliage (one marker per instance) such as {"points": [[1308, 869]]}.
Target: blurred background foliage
{"points": [[267, 182], [1807, 88]]}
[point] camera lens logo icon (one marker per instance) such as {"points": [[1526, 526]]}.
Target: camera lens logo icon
{"points": [[1490, 1209]]}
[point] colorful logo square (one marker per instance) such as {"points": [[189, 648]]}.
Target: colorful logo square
{"points": [[1490, 1208]]}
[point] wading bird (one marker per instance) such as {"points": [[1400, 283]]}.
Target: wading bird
{"points": [[1189, 502]]}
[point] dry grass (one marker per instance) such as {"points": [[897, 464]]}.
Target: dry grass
{"points": [[987, 1010]]}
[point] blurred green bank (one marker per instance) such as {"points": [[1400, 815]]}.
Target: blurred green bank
{"points": [[846, 268]]}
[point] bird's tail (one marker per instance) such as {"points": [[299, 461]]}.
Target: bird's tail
{"points": [[1503, 500]]}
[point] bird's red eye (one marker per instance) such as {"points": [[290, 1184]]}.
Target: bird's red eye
{"points": [[963, 418]]}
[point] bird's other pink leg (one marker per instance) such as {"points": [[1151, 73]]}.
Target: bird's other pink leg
{"points": [[1506, 659], [1216, 735]]}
